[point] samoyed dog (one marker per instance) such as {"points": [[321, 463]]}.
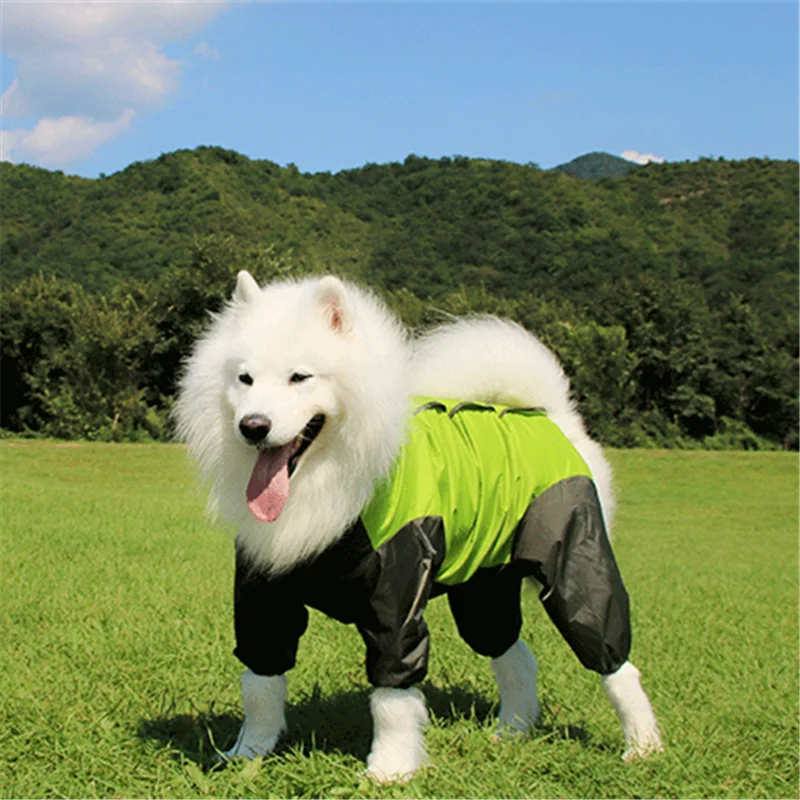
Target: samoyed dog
{"points": [[365, 473]]}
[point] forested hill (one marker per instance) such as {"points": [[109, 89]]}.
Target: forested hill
{"points": [[426, 225], [594, 166], [670, 293]]}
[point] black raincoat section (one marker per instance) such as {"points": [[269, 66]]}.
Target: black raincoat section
{"points": [[394, 631], [563, 539], [268, 620], [384, 592], [487, 610], [270, 612]]}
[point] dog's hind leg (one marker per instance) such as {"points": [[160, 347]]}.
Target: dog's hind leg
{"points": [[487, 613], [398, 744], [634, 711], [263, 698], [516, 673]]}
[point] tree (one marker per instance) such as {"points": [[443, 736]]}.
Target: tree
{"points": [[74, 363], [667, 328]]}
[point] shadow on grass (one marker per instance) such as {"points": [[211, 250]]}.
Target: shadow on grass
{"points": [[337, 723], [195, 736]]}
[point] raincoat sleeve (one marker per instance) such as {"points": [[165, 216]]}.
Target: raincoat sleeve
{"points": [[269, 619], [563, 537], [393, 628]]}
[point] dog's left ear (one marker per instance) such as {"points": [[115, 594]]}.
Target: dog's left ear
{"points": [[330, 296], [246, 290]]}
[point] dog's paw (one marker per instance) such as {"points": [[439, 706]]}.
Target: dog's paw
{"points": [[398, 745], [391, 770], [251, 744], [643, 746], [396, 761], [517, 720], [378, 776], [263, 697], [513, 728]]}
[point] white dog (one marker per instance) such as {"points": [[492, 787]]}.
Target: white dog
{"points": [[365, 474]]}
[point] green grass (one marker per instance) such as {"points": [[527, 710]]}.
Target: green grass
{"points": [[118, 678]]}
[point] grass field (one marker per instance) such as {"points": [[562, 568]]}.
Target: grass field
{"points": [[118, 678]]}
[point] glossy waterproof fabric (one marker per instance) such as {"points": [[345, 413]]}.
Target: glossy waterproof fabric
{"points": [[383, 592], [562, 540], [382, 582], [477, 467]]}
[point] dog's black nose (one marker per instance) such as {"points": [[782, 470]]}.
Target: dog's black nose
{"points": [[255, 428]]}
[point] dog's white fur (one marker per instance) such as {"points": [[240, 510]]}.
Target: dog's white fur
{"points": [[364, 371], [634, 711], [516, 672], [398, 744], [264, 701]]}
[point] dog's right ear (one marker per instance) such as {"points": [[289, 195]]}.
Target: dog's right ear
{"points": [[330, 295], [246, 290]]}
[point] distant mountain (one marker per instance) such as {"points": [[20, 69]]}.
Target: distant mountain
{"points": [[594, 166]]}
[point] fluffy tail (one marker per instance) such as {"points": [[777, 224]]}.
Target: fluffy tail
{"points": [[497, 361]]}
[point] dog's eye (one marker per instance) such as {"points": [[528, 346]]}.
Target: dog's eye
{"points": [[246, 379], [299, 377]]}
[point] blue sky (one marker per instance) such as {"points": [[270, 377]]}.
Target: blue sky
{"points": [[91, 87]]}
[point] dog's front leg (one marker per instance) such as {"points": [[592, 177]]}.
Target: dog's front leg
{"points": [[263, 698], [634, 711], [398, 743]]}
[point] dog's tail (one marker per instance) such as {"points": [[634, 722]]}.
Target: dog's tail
{"points": [[496, 361]]}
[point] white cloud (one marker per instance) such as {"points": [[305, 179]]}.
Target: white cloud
{"points": [[641, 158], [7, 98], [100, 81], [74, 24], [54, 142], [85, 68], [204, 50]]}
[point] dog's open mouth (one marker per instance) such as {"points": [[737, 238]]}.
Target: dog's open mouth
{"points": [[268, 488], [302, 442]]}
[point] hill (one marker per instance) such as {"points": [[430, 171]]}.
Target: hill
{"points": [[425, 225], [594, 166]]}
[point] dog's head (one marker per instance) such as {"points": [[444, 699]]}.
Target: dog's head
{"points": [[284, 379], [294, 403]]}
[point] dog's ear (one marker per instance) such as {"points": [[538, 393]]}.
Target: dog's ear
{"points": [[330, 296], [246, 290]]}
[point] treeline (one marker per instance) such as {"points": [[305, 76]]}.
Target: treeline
{"points": [[425, 225], [651, 364], [670, 294]]}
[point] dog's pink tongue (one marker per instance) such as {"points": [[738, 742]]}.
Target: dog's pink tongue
{"points": [[269, 483]]}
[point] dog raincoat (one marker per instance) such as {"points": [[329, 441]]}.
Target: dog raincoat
{"points": [[479, 498]]}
